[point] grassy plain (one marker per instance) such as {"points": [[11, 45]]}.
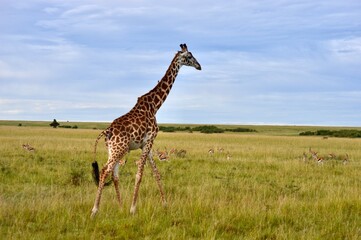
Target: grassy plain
{"points": [[265, 191]]}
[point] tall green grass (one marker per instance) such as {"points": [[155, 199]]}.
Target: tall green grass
{"points": [[265, 191]]}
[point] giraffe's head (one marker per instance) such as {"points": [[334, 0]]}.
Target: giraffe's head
{"points": [[186, 58]]}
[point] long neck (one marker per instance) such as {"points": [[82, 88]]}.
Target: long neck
{"points": [[160, 92]]}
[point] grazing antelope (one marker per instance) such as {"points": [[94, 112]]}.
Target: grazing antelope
{"points": [[304, 157], [220, 149], [173, 151], [331, 156], [318, 159], [312, 152], [29, 148], [181, 153], [211, 151], [345, 159], [229, 156], [162, 155]]}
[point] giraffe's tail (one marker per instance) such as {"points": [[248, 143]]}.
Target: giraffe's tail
{"points": [[96, 142], [96, 174]]}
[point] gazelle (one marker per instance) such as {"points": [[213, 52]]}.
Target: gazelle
{"points": [[173, 151], [181, 153], [162, 155], [304, 157], [211, 151], [331, 156], [29, 148], [345, 159], [220, 149], [318, 159]]}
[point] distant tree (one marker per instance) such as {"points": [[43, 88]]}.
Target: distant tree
{"points": [[54, 124]]}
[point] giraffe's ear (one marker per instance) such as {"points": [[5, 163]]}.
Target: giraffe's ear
{"points": [[184, 47]]}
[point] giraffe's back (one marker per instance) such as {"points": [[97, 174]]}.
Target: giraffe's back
{"points": [[134, 128]]}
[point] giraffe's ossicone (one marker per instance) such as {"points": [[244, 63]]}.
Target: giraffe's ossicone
{"points": [[137, 130]]}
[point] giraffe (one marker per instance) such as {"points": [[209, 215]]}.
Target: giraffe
{"points": [[137, 130]]}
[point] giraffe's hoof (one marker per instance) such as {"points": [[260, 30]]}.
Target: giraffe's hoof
{"points": [[132, 210], [94, 212]]}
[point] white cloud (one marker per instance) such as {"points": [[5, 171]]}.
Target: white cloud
{"points": [[346, 50], [51, 10], [258, 58]]}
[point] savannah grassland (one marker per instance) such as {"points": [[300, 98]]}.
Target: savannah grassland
{"points": [[265, 191]]}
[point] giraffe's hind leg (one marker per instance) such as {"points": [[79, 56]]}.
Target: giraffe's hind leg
{"points": [[113, 161], [157, 177], [103, 175]]}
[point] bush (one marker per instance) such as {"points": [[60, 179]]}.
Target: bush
{"points": [[166, 129], [68, 126], [324, 133], [65, 126], [208, 129], [77, 175], [345, 133], [203, 129], [241, 130], [307, 133], [174, 129]]}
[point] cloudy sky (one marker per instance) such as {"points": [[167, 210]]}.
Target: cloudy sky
{"points": [[263, 62]]}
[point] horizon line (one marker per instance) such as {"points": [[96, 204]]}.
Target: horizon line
{"points": [[203, 123]]}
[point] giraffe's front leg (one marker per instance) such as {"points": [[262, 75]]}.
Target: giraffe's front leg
{"points": [[139, 175], [116, 182], [138, 179], [157, 177]]}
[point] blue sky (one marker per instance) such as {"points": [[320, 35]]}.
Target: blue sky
{"points": [[263, 62]]}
